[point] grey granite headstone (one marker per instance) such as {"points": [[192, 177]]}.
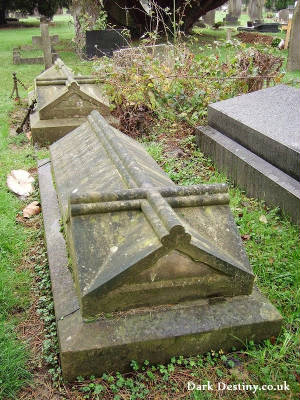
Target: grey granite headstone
{"points": [[166, 262], [266, 122], [255, 139], [63, 103], [261, 27]]}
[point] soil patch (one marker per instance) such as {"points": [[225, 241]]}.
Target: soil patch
{"points": [[249, 37]]}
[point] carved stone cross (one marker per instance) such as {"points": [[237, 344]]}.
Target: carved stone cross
{"points": [[45, 42]]}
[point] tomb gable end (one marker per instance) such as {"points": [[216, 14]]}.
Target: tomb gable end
{"points": [[135, 238]]}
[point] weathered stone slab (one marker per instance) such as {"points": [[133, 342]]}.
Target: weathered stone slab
{"points": [[167, 259], [63, 103], [136, 267], [256, 176], [266, 122], [209, 17], [157, 335]]}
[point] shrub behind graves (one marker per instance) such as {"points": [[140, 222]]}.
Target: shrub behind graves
{"points": [[177, 86]]}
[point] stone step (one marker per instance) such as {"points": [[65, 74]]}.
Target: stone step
{"points": [[256, 176], [266, 122]]}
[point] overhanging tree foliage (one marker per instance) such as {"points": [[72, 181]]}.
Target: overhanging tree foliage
{"points": [[132, 14], [45, 7]]}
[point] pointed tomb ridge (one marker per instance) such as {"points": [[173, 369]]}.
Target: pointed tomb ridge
{"points": [[136, 238]]}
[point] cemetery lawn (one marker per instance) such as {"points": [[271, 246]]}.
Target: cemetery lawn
{"points": [[27, 323]]}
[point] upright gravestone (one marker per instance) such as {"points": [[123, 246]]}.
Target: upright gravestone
{"points": [[234, 12], [293, 62], [255, 10], [209, 17], [101, 43], [159, 270], [284, 15], [236, 8]]}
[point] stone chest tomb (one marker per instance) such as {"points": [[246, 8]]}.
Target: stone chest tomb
{"points": [[63, 102], [157, 269]]}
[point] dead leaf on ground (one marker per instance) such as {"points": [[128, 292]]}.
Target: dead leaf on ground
{"points": [[32, 209], [20, 182], [28, 135], [246, 237], [263, 219]]}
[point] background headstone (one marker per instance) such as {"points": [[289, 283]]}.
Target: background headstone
{"points": [[236, 8], [284, 15], [255, 10], [234, 12], [209, 17], [293, 62], [101, 43]]}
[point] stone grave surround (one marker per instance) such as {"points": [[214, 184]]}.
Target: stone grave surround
{"points": [[63, 103], [157, 270], [255, 139], [44, 42], [18, 59], [261, 27]]}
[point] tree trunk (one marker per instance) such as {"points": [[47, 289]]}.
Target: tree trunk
{"points": [[2, 16], [79, 36]]}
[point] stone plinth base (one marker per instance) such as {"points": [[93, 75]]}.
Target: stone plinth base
{"points": [[109, 344], [251, 173]]}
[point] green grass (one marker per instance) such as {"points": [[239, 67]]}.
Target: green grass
{"points": [[273, 249], [15, 240], [272, 244]]}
